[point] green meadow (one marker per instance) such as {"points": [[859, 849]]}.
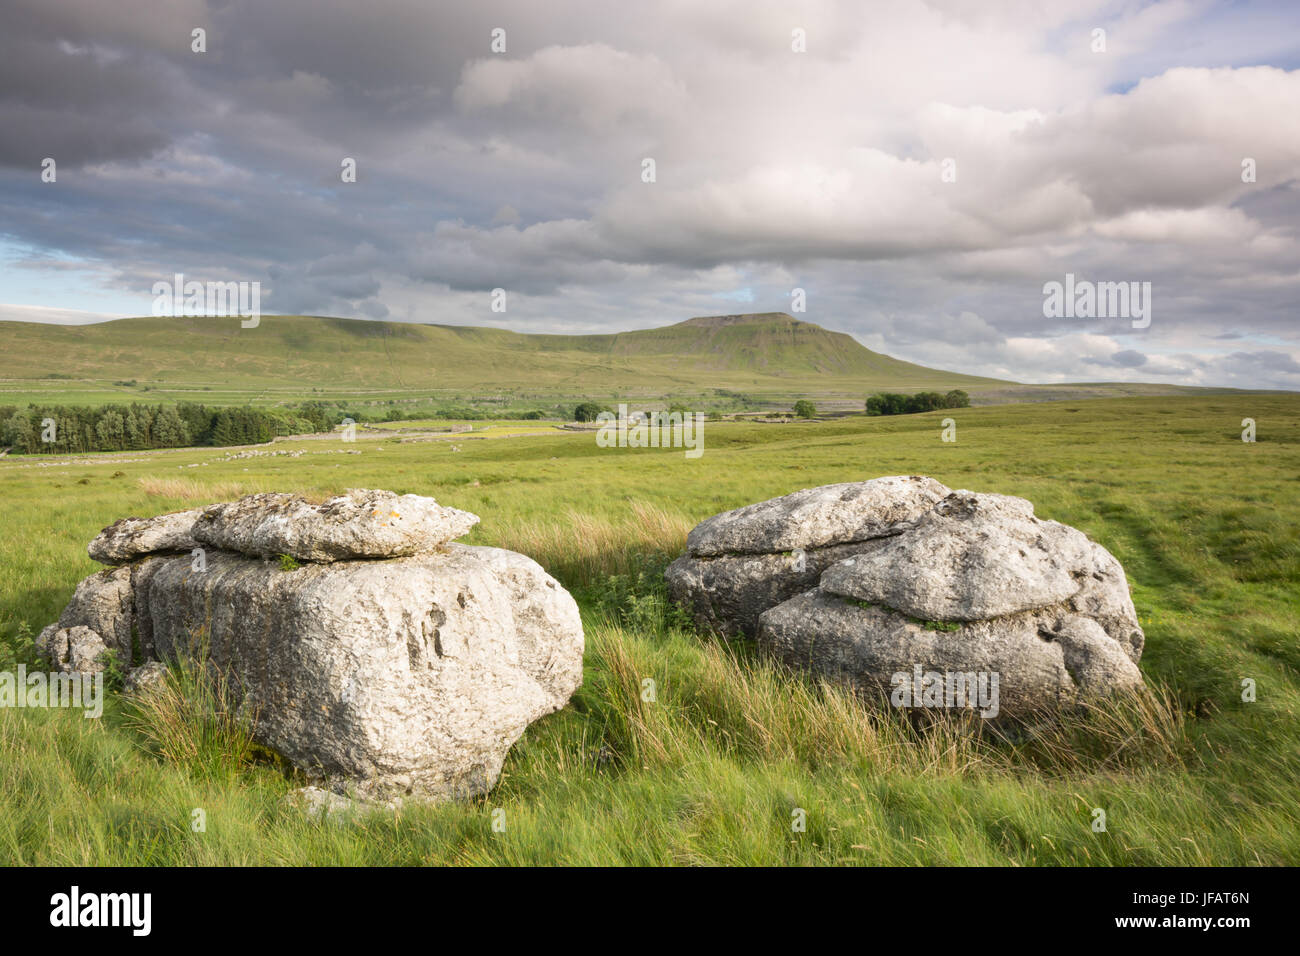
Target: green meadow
{"points": [[716, 767]]}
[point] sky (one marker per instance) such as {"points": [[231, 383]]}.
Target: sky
{"points": [[920, 170]]}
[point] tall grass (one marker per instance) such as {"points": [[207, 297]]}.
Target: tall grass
{"points": [[191, 489], [731, 701], [192, 718], [582, 548]]}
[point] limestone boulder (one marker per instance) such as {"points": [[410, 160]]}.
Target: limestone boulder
{"points": [[727, 593], [104, 602], [412, 675], [974, 557], [392, 663], [148, 677], [978, 585], [1043, 660], [817, 517]]}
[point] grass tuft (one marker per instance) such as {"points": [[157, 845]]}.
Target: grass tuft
{"points": [[192, 718]]}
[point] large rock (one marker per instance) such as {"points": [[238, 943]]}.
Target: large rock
{"points": [[977, 585], [727, 593], [411, 675], [742, 562], [129, 538], [391, 662], [141, 573], [359, 524], [146, 679]]}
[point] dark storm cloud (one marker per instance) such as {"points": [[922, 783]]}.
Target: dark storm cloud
{"points": [[1129, 358]]}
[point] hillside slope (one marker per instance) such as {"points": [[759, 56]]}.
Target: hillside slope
{"points": [[770, 352]]}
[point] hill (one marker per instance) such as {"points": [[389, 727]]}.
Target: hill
{"points": [[741, 361], [769, 354]]}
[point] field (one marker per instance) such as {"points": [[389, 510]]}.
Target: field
{"points": [[1207, 527]]}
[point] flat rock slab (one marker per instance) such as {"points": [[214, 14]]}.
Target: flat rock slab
{"points": [[130, 538], [817, 517], [359, 524]]}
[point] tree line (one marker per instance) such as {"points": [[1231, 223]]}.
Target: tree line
{"points": [[64, 429], [891, 403]]}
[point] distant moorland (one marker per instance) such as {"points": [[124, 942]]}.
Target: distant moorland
{"points": [[714, 363]]}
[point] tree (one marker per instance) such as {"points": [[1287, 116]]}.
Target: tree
{"points": [[886, 403], [805, 409], [169, 429], [587, 412], [110, 431], [135, 434], [198, 422], [23, 434], [956, 399], [144, 415], [925, 402], [223, 429]]}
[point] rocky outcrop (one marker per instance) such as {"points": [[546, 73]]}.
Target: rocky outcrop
{"points": [[742, 562], [967, 585], [382, 675]]}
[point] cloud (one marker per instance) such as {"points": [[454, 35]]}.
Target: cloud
{"points": [[1129, 358], [53, 316], [591, 85], [830, 170]]}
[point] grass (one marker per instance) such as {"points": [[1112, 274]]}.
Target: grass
{"points": [[194, 492], [709, 763], [191, 719]]}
